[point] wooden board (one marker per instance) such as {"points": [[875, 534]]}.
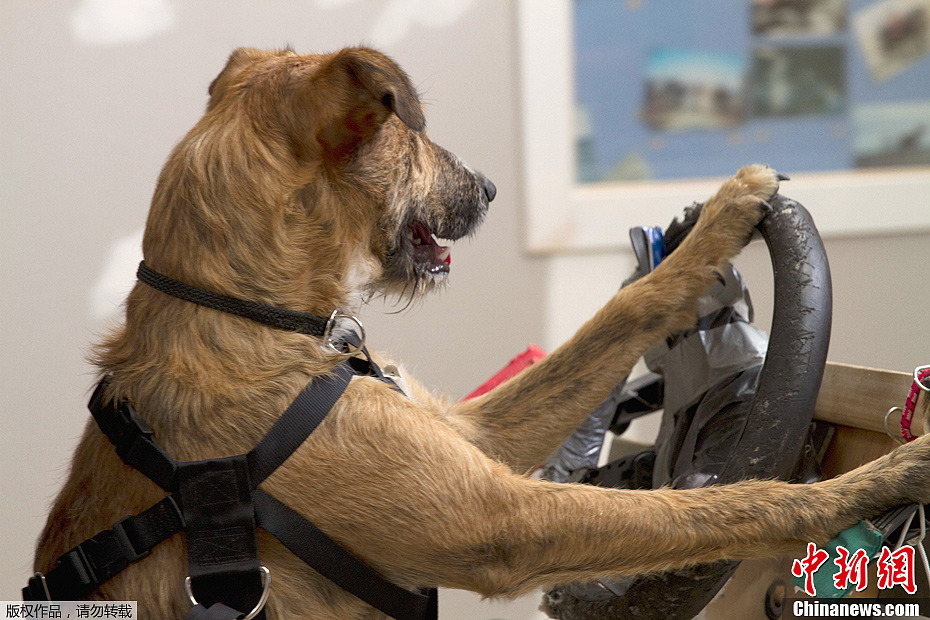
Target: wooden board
{"points": [[852, 447], [860, 397]]}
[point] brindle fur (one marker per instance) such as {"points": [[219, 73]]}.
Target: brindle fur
{"points": [[295, 190]]}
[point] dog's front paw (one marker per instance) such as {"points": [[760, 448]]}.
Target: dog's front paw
{"points": [[738, 206], [909, 469], [760, 181], [900, 477]]}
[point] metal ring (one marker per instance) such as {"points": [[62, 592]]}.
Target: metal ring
{"points": [[888, 430], [266, 583], [331, 323], [917, 380]]}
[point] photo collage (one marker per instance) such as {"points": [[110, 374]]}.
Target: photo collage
{"points": [[668, 89]]}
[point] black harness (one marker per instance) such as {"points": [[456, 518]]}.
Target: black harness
{"points": [[217, 502]]}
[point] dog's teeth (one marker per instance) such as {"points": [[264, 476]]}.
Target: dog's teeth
{"points": [[444, 255]]}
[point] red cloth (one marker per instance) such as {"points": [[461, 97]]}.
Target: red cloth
{"points": [[526, 359]]}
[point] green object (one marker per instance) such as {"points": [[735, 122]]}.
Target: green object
{"points": [[863, 536]]}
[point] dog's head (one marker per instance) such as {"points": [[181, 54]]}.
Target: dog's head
{"points": [[330, 156]]}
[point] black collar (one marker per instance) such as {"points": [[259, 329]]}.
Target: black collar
{"points": [[292, 320]]}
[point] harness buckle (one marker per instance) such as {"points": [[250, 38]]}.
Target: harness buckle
{"points": [[129, 554], [75, 562], [266, 583], [98, 559], [131, 437], [328, 333], [119, 421]]}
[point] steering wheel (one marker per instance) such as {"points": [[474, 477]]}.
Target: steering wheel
{"points": [[778, 420]]}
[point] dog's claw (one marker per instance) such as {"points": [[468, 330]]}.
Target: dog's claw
{"points": [[783, 177], [767, 207]]}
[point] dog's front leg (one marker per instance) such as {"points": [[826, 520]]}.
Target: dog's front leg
{"points": [[581, 533], [523, 420], [426, 507]]}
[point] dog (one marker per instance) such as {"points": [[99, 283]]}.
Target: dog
{"points": [[310, 184]]}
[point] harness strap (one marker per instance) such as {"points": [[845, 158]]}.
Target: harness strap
{"points": [[334, 562], [89, 565], [134, 444], [299, 420], [85, 567]]}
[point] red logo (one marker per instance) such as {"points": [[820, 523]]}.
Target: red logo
{"points": [[808, 566], [851, 569], [896, 568]]}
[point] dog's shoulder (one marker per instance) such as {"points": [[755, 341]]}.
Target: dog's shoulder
{"points": [[411, 388]]}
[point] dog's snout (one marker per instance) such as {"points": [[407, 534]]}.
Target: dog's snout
{"points": [[490, 189]]}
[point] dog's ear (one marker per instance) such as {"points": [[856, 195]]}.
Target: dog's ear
{"points": [[238, 60], [366, 87]]}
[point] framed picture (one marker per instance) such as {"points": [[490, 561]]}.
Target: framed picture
{"points": [[634, 109]]}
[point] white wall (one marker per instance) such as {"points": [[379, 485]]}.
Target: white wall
{"points": [[87, 117]]}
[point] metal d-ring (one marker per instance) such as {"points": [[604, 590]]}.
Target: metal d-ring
{"points": [[888, 430], [266, 583], [331, 323]]}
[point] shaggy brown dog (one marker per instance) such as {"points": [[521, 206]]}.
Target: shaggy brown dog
{"points": [[309, 184]]}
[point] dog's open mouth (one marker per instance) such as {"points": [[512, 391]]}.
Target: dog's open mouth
{"points": [[428, 255]]}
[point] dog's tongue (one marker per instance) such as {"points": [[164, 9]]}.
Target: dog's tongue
{"points": [[426, 250]]}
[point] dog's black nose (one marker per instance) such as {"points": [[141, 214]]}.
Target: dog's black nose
{"points": [[489, 189]]}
